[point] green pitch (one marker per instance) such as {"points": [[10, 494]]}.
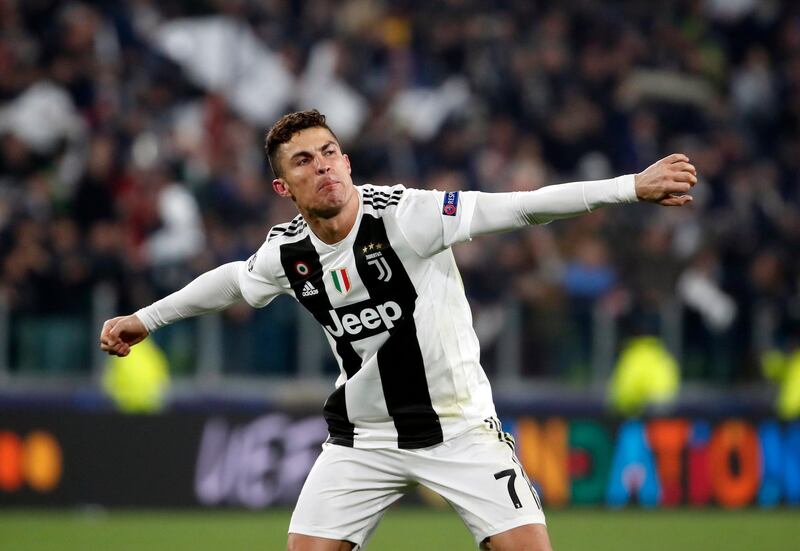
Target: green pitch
{"points": [[400, 530]]}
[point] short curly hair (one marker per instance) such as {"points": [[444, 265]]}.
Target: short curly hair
{"points": [[289, 125]]}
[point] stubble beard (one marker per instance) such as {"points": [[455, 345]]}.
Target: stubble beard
{"points": [[328, 209], [325, 212]]}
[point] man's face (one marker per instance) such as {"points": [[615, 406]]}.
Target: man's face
{"points": [[316, 175]]}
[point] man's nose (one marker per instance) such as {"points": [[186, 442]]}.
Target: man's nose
{"points": [[322, 165]]}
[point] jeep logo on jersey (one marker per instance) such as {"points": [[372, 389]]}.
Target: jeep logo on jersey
{"points": [[365, 322]]}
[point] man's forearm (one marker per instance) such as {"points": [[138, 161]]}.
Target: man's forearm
{"points": [[214, 290], [495, 212]]}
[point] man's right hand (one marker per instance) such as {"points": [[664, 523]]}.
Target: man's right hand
{"points": [[120, 333]]}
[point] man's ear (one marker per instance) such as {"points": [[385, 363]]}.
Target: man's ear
{"points": [[347, 163], [281, 188]]}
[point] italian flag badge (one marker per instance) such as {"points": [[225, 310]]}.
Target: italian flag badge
{"points": [[340, 280]]}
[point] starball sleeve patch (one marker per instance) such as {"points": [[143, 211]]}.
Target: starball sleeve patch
{"points": [[450, 206]]}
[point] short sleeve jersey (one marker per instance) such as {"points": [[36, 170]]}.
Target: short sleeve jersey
{"points": [[391, 302]]}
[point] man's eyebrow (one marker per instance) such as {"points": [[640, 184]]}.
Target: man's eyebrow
{"points": [[306, 153]]}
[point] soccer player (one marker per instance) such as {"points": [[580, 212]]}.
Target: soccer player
{"points": [[373, 265]]}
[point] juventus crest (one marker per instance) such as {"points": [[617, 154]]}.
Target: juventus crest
{"points": [[377, 260]]}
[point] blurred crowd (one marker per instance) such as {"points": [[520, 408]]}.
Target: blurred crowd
{"points": [[131, 153]]}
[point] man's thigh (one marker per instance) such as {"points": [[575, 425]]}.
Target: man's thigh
{"points": [[346, 494], [300, 542], [530, 537], [480, 476]]}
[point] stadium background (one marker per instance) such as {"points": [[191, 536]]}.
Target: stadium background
{"points": [[643, 357]]}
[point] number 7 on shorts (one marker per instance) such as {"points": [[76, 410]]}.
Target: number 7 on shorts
{"points": [[512, 492]]}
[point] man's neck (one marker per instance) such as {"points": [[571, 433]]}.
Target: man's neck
{"points": [[334, 229]]}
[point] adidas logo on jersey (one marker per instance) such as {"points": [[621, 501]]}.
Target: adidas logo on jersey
{"points": [[380, 318], [309, 290]]}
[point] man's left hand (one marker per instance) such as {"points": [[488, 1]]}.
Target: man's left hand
{"points": [[667, 182]]}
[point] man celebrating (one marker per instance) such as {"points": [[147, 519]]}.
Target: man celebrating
{"points": [[373, 265]]}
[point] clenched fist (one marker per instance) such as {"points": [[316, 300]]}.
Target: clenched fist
{"points": [[120, 333], [667, 181]]}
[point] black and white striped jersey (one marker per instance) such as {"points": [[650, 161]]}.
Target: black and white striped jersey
{"points": [[392, 305], [391, 302]]}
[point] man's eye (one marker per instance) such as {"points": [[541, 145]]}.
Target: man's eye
{"points": [[328, 153], [302, 162]]}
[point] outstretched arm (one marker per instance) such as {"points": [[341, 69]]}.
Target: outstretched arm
{"points": [[665, 182], [212, 291]]}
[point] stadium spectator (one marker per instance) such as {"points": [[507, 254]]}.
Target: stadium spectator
{"points": [[528, 94]]}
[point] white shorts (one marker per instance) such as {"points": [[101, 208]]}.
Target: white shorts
{"points": [[348, 489]]}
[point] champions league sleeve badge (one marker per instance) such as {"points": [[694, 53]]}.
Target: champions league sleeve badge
{"points": [[450, 206]]}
